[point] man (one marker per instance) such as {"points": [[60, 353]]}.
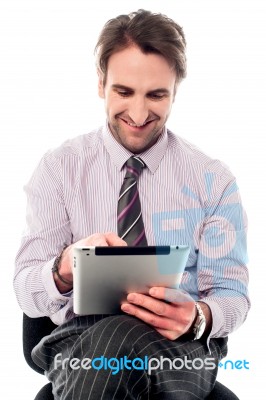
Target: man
{"points": [[182, 197]]}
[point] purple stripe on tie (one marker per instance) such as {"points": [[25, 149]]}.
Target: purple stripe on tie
{"points": [[138, 239], [133, 171], [127, 208]]}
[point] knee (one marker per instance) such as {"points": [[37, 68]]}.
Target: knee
{"points": [[120, 329], [116, 335]]}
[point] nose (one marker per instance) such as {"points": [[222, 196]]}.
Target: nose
{"points": [[138, 110]]}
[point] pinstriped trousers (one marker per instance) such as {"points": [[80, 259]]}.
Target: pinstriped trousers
{"points": [[68, 353]]}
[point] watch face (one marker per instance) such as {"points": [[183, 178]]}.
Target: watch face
{"points": [[200, 325], [201, 328]]}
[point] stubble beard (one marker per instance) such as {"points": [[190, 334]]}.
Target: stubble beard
{"points": [[120, 136]]}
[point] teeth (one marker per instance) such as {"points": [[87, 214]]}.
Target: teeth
{"points": [[135, 125]]}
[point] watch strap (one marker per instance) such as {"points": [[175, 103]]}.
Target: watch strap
{"points": [[200, 323]]}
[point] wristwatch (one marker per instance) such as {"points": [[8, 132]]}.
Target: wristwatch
{"points": [[200, 323]]}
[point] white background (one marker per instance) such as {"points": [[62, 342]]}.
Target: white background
{"points": [[48, 93]]}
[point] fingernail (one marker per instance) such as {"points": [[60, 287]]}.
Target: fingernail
{"points": [[131, 297], [125, 308], [152, 292]]}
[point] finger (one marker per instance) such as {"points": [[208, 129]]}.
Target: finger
{"points": [[113, 240], [171, 295], [149, 317], [156, 306], [167, 312], [174, 312], [97, 239], [181, 305], [170, 335]]}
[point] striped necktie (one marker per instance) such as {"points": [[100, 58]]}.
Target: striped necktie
{"points": [[129, 217]]}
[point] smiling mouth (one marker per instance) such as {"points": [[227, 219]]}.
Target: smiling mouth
{"points": [[137, 125]]}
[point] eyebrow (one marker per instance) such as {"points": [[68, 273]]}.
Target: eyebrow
{"points": [[117, 86], [123, 87]]}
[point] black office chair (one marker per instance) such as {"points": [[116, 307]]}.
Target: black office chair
{"points": [[34, 329]]}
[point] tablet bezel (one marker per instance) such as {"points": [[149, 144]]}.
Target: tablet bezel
{"points": [[102, 276]]}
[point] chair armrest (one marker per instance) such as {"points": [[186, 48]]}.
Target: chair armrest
{"points": [[34, 329]]}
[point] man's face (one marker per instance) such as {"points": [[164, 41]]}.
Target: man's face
{"points": [[138, 93]]}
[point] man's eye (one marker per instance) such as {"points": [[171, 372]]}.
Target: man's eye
{"points": [[123, 93], [157, 96]]}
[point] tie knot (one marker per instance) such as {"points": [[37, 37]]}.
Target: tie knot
{"points": [[134, 166]]}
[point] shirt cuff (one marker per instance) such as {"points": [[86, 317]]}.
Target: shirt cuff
{"points": [[50, 286], [217, 319]]}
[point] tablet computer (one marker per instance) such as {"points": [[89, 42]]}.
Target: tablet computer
{"points": [[103, 276]]}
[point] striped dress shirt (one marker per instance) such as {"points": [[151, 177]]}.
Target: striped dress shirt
{"points": [[186, 198]]}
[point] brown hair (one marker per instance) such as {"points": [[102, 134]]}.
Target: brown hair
{"points": [[152, 33]]}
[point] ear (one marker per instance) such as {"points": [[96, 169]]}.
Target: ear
{"points": [[175, 89], [100, 84]]}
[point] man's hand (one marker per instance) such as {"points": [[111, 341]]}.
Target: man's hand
{"points": [[65, 266], [170, 311]]}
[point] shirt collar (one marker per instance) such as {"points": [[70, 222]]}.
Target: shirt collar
{"points": [[119, 154]]}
